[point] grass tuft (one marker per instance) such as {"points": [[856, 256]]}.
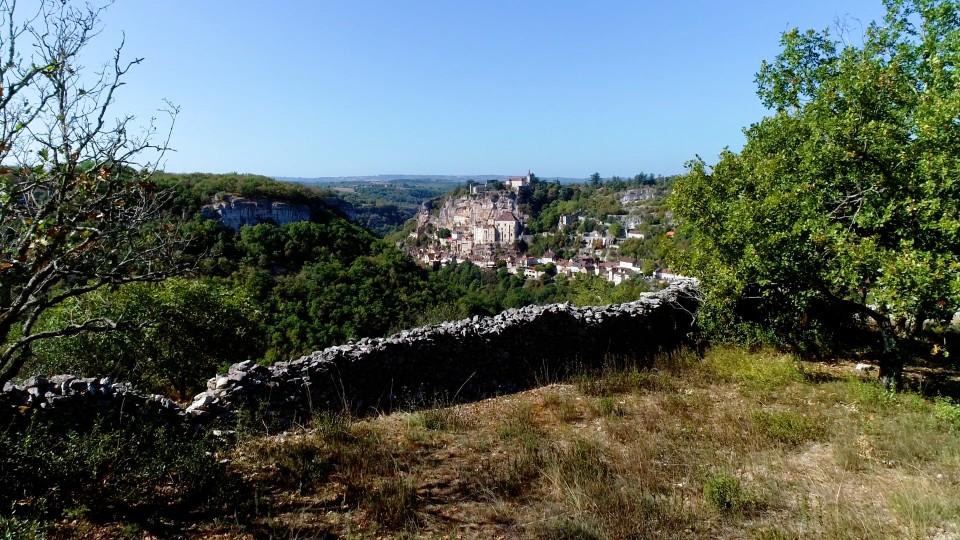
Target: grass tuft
{"points": [[14, 528], [724, 493], [788, 427], [439, 419], [393, 502], [568, 529], [764, 372], [563, 404], [622, 377], [610, 407], [520, 426]]}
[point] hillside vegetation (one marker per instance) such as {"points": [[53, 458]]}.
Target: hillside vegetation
{"points": [[273, 292], [827, 248], [737, 445], [268, 292], [384, 206]]}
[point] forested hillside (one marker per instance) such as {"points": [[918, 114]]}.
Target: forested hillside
{"points": [[383, 206], [266, 293], [273, 292]]}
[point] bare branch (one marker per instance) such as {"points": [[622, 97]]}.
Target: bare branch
{"points": [[77, 209]]}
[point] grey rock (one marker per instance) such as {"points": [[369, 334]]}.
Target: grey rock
{"points": [[61, 379], [39, 380], [80, 385], [201, 402], [243, 366]]}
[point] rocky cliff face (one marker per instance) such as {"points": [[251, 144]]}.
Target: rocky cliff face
{"points": [[462, 360], [234, 212]]}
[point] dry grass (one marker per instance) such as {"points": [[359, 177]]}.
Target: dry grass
{"points": [[737, 445]]}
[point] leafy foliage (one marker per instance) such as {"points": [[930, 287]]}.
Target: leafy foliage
{"points": [[189, 329], [331, 300], [139, 472], [847, 196]]}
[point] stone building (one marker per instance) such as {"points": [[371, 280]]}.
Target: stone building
{"points": [[508, 227]]}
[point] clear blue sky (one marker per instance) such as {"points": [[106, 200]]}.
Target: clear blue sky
{"points": [[355, 87]]}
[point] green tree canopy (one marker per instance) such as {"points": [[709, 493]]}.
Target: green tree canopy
{"points": [[188, 329], [616, 229], [848, 194]]}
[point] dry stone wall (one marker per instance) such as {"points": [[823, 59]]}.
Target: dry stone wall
{"points": [[462, 360], [81, 401]]}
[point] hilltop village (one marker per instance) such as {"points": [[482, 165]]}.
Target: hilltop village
{"points": [[495, 224]]}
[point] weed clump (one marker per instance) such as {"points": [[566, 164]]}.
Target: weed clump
{"points": [[948, 412], [724, 493], [141, 473]]}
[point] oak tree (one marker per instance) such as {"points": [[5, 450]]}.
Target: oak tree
{"points": [[847, 194]]}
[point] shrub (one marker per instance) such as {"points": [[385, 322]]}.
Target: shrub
{"points": [[134, 471], [948, 412], [609, 407], [723, 492]]}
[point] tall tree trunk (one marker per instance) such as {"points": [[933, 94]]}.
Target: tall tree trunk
{"points": [[891, 358], [918, 321]]}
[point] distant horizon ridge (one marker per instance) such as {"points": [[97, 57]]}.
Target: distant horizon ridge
{"points": [[388, 177]]}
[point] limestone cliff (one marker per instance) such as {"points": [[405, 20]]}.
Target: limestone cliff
{"points": [[234, 211]]}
